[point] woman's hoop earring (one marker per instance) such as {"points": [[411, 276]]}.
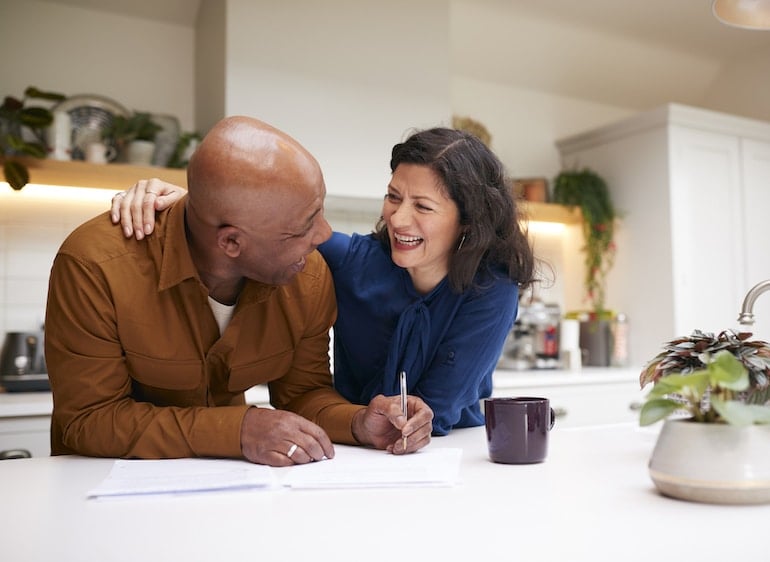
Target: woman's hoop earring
{"points": [[462, 241]]}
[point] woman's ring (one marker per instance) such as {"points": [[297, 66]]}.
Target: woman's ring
{"points": [[292, 450]]}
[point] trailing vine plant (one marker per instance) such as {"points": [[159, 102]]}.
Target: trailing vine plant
{"points": [[588, 191]]}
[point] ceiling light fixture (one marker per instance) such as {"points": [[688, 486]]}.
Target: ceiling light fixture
{"points": [[746, 14]]}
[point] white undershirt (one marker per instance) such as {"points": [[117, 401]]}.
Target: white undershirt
{"points": [[222, 312]]}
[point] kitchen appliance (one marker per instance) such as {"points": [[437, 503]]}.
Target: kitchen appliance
{"points": [[533, 343], [22, 362]]}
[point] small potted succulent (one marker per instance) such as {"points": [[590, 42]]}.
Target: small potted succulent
{"points": [[713, 394], [133, 137]]}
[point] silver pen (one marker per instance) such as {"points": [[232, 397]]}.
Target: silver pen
{"points": [[402, 380]]}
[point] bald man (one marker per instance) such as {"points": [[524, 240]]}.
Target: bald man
{"points": [[150, 344]]}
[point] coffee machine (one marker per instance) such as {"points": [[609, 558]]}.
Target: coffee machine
{"points": [[22, 362], [533, 343]]}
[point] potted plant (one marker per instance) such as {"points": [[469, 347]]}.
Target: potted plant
{"points": [[133, 137], [588, 191], [712, 395], [16, 119], [185, 146]]}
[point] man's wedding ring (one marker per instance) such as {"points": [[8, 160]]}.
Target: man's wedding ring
{"points": [[292, 450]]}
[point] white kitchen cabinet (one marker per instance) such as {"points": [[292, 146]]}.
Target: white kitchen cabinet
{"points": [[25, 422], [31, 433], [693, 190]]}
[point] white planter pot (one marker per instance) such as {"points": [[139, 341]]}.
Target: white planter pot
{"points": [[713, 463], [140, 152]]}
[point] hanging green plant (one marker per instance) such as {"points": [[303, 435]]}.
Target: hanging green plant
{"points": [[588, 191]]}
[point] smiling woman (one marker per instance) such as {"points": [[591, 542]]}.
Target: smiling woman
{"points": [[436, 284]]}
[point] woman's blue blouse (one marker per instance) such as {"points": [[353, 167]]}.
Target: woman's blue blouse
{"points": [[447, 343]]}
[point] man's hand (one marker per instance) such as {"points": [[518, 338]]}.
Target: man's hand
{"points": [[269, 437], [135, 208], [383, 425]]}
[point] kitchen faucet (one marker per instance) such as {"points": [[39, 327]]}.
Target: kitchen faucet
{"points": [[746, 317]]}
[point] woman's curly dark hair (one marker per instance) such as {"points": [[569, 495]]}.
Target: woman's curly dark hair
{"points": [[474, 178]]}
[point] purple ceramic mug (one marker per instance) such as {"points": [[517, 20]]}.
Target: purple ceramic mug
{"points": [[518, 428]]}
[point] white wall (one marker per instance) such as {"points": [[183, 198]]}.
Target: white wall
{"points": [[348, 79], [524, 124], [210, 67], [143, 65]]}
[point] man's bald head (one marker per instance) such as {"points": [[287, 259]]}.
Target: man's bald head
{"points": [[255, 205], [242, 157]]}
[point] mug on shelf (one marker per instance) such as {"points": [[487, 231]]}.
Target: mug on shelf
{"points": [[99, 153]]}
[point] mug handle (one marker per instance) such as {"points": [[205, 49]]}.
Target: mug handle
{"points": [[110, 153], [553, 419]]}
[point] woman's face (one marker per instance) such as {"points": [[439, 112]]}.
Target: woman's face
{"points": [[423, 224]]}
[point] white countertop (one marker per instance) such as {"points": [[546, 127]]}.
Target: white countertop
{"points": [[592, 499], [20, 404]]}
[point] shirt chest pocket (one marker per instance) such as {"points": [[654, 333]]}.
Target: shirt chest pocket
{"points": [[243, 377], [165, 374]]}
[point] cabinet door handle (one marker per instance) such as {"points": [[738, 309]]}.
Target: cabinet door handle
{"points": [[14, 454], [560, 412], [635, 406]]}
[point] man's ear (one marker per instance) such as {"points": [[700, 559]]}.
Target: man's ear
{"points": [[229, 239]]}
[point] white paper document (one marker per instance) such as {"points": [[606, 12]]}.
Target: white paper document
{"points": [[351, 467], [173, 476], [357, 467]]}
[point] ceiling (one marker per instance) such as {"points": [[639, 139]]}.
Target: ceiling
{"points": [[687, 25], [181, 12], [626, 47]]}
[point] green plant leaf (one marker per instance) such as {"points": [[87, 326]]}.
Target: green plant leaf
{"points": [[727, 372], [35, 117], [33, 92], [740, 414], [695, 383], [657, 409], [13, 142], [11, 104], [34, 149], [16, 174]]}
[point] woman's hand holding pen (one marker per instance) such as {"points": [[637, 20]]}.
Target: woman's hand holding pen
{"points": [[382, 424]]}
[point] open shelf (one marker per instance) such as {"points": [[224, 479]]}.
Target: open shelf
{"points": [[123, 176], [106, 176], [551, 212]]}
